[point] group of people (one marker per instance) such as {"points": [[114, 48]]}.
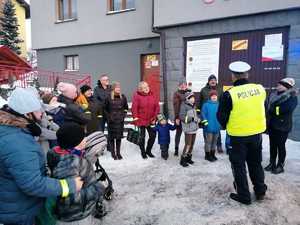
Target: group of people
{"points": [[69, 127]]}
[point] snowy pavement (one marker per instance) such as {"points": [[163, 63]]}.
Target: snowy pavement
{"points": [[158, 192]]}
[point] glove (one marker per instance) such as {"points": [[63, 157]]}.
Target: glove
{"points": [[108, 192]]}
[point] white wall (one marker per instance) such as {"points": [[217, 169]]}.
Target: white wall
{"points": [[169, 12], [93, 24]]}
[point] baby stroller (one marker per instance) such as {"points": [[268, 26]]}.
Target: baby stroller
{"points": [[96, 143]]}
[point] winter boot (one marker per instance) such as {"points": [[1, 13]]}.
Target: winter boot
{"points": [[207, 156], [183, 161], [235, 197], [164, 155], [220, 149], [189, 159], [119, 156], [113, 153], [213, 156], [149, 154], [270, 167], [143, 153], [176, 151], [279, 169]]}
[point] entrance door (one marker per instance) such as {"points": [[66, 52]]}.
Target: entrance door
{"points": [[151, 72]]}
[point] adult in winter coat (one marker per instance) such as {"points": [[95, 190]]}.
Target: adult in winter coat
{"points": [[116, 108], [102, 92], [242, 112], [212, 85], [145, 109], [23, 181], [211, 125], [72, 112], [89, 105], [178, 98], [190, 124], [68, 160], [281, 106]]}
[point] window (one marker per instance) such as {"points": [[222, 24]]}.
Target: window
{"points": [[72, 63], [120, 5], [66, 10]]}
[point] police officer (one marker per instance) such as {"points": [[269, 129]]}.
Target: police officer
{"points": [[242, 113]]}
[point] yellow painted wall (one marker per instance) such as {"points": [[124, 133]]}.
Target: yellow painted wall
{"points": [[20, 12]]}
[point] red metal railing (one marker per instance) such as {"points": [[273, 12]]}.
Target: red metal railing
{"points": [[24, 77]]}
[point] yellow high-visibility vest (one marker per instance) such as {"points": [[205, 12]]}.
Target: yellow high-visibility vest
{"points": [[247, 116]]}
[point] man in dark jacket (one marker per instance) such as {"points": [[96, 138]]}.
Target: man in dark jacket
{"points": [[212, 84], [242, 113], [178, 98], [281, 106], [101, 92]]}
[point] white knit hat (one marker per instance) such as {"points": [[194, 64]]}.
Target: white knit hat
{"points": [[287, 82], [24, 101]]}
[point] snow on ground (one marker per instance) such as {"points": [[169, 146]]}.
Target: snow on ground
{"points": [[158, 192]]}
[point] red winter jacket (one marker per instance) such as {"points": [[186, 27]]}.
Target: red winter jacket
{"points": [[144, 107]]}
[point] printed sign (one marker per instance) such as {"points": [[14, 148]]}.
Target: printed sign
{"points": [[202, 60], [273, 50], [239, 45]]}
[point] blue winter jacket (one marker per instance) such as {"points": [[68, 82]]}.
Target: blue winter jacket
{"points": [[23, 181], [209, 113], [164, 133]]}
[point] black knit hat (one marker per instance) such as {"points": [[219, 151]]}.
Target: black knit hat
{"points": [[70, 135], [85, 88], [212, 77]]}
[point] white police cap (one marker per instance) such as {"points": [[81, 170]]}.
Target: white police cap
{"points": [[239, 67]]}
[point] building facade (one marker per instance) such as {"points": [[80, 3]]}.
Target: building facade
{"points": [[97, 37], [22, 13], [145, 39], [200, 38]]}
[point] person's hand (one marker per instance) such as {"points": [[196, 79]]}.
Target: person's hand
{"points": [[177, 121], [78, 183]]}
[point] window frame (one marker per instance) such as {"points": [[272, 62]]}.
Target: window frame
{"points": [[60, 18], [73, 63], [110, 9]]}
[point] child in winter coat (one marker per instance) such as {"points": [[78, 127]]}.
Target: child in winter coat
{"points": [[211, 125], [163, 129], [190, 124], [66, 160]]}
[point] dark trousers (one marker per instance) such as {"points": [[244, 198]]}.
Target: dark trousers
{"points": [[277, 146], [115, 145], [178, 136], [247, 150], [103, 121], [219, 141], [164, 150], [151, 140]]}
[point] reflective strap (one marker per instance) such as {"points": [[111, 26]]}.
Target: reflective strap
{"points": [[125, 110], [277, 110], [205, 122], [186, 119], [99, 116], [65, 188], [198, 110], [87, 112]]}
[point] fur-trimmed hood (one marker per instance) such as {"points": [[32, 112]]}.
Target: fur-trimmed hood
{"points": [[8, 119]]}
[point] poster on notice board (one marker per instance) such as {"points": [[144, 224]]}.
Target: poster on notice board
{"points": [[273, 50], [202, 60]]}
